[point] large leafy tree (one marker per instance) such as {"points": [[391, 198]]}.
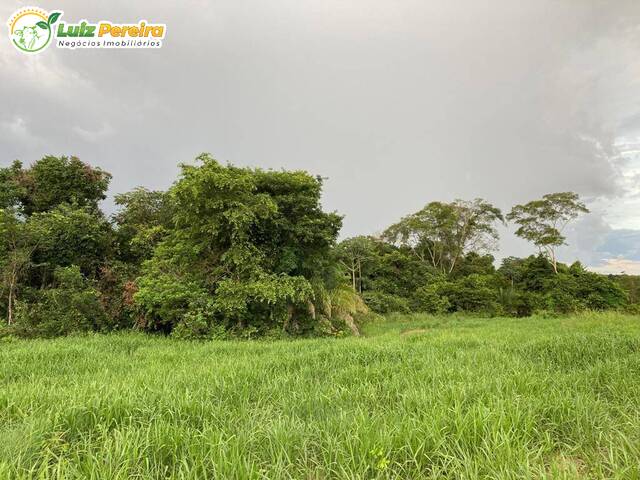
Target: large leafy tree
{"points": [[49, 219], [440, 234], [247, 244], [543, 221]]}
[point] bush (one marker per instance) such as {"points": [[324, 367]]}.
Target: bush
{"points": [[382, 303], [519, 303], [577, 289], [71, 305], [164, 300], [193, 326], [428, 300], [117, 287], [475, 293]]}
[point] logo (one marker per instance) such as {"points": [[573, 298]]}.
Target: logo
{"points": [[30, 29]]}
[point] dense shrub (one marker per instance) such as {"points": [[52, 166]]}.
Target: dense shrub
{"points": [[474, 293], [72, 304], [428, 299], [381, 302], [117, 288], [164, 299]]}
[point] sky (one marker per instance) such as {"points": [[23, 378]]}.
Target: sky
{"points": [[397, 103]]}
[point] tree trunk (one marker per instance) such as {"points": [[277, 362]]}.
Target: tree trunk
{"points": [[353, 275], [12, 286], [10, 320], [554, 262]]}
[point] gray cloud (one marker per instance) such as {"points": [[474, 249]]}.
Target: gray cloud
{"points": [[397, 103]]}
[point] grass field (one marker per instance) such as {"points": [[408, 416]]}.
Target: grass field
{"points": [[416, 397]]}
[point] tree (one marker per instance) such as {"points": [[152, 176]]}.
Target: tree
{"points": [[253, 242], [52, 181], [543, 221], [441, 233], [352, 253]]}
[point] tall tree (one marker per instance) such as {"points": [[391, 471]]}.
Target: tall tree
{"points": [[543, 221], [441, 233]]}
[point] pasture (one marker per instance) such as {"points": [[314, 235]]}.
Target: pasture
{"points": [[414, 397]]}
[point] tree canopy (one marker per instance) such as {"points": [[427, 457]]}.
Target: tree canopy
{"points": [[52, 181], [441, 233], [543, 221]]}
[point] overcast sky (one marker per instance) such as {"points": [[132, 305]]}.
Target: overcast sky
{"points": [[397, 102]]}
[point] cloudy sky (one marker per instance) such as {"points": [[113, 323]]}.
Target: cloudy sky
{"points": [[396, 102]]}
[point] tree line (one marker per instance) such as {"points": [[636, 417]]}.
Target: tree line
{"points": [[245, 251]]}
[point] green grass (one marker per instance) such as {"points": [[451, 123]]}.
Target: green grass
{"points": [[417, 397]]}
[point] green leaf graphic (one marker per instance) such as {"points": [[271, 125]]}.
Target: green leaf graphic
{"points": [[42, 25], [53, 17]]}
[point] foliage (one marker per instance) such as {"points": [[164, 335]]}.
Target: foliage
{"points": [[251, 240], [163, 299], [381, 302], [442, 233], [246, 252], [543, 221], [72, 304], [354, 254], [631, 286], [531, 284], [116, 287], [11, 189], [52, 181], [430, 299], [16, 247], [474, 293], [143, 221], [70, 235], [198, 324]]}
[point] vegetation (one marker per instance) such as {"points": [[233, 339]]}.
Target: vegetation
{"points": [[416, 397], [230, 253], [441, 233], [243, 252], [543, 221]]}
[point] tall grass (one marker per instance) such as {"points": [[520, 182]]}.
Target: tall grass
{"points": [[416, 397]]}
